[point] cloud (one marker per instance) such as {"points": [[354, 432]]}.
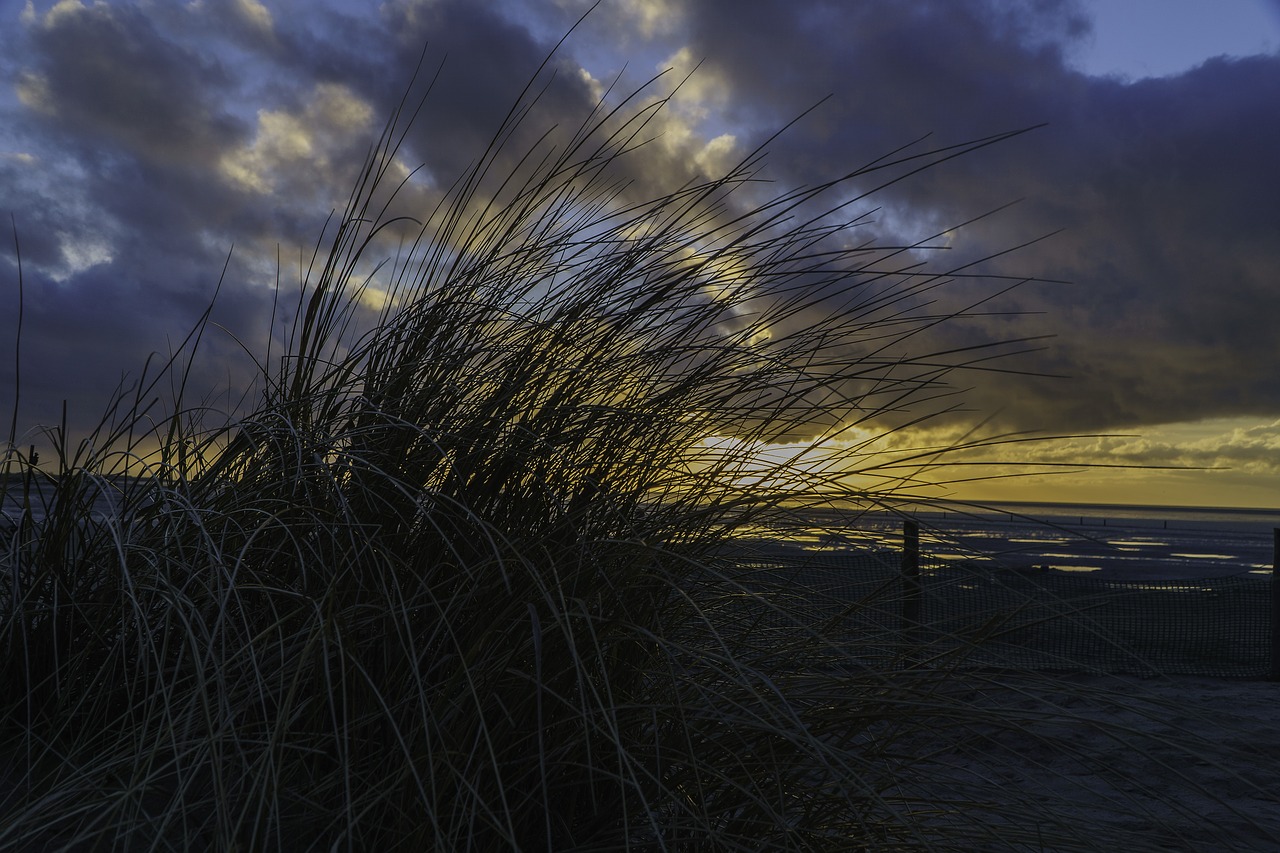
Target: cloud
{"points": [[1245, 446], [140, 143], [333, 121], [255, 15], [107, 78], [654, 17], [148, 142], [1163, 191]]}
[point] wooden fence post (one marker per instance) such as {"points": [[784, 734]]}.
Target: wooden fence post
{"points": [[1275, 604], [910, 580]]}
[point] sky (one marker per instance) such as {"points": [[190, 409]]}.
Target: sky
{"points": [[144, 145]]}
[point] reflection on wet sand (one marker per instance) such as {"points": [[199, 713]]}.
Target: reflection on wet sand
{"points": [[1138, 543]]}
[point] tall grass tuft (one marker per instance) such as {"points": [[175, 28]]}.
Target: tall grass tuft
{"points": [[463, 576]]}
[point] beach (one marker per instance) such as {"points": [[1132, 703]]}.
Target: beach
{"points": [[1184, 762], [1181, 762]]}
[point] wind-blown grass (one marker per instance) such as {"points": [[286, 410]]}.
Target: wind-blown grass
{"points": [[459, 577]]}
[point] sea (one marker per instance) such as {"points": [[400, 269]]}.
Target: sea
{"points": [[1112, 541]]}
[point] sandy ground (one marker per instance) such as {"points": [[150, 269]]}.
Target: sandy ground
{"points": [[1166, 764], [1178, 763]]}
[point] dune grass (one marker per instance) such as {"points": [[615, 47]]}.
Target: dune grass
{"points": [[458, 576]]}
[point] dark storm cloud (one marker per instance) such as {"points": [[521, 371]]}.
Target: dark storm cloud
{"points": [[143, 142], [152, 141], [107, 79], [120, 125], [1165, 189]]}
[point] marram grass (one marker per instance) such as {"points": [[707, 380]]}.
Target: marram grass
{"points": [[457, 577]]}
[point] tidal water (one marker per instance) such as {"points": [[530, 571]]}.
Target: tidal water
{"points": [[1112, 541]]}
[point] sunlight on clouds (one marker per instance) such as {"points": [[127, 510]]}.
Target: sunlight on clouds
{"points": [[60, 10], [369, 295], [1244, 444], [858, 460], [700, 93], [684, 123], [680, 139], [33, 93], [250, 12], [726, 274], [1249, 445], [594, 86], [79, 253], [255, 14], [655, 17], [285, 139], [648, 18], [64, 8], [280, 137], [718, 155], [726, 278], [339, 107], [376, 299], [1220, 461], [411, 10], [762, 465]]}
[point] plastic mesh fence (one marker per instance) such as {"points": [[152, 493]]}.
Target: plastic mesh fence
{"points": [[980, 615]]}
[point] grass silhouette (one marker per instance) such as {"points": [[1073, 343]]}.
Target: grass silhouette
{"points": [[462, 574]]}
